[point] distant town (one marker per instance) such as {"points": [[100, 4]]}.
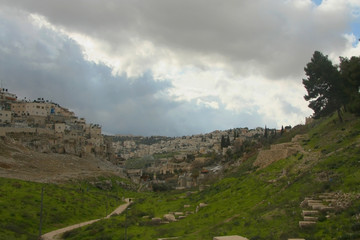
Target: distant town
{"points": [[47, 127], [56, 128]]}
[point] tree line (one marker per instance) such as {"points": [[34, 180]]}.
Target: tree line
{"points": [[332, 88]]}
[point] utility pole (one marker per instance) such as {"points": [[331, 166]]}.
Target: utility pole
{"points": [[107, 203], [41, 211], [125, 233]]}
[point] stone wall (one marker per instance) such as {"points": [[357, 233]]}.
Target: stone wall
{"points": [[10, 130], [277, 152]]}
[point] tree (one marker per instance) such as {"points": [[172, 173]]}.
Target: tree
{"points": [[228, 141], [324, 86], [266, 133], [225, 142], [222, 143], [350, 74]]}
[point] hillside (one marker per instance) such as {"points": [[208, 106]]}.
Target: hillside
{"points": [[261, 203], [20, 162], [309, 177]]}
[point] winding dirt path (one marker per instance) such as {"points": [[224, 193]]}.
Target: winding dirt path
{"points": [[55, 235]]}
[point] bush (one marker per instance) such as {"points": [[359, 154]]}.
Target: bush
{"points": [[255, 238], [355, 227], [104, 237], [161, 187], [349, 236], [70, 234]]}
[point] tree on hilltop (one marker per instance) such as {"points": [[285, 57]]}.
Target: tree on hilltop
{"points": [[225, 142], [350, 73], [222, 143], [325, 90], [266, 133]]}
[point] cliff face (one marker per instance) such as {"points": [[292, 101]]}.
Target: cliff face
{"points": [[51, 143]]}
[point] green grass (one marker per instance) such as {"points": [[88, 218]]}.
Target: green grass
{"points": [[63, 205]]}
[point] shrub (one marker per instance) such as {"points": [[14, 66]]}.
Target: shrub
{"points": [[355, 227], [161, 187], [70, 234]]}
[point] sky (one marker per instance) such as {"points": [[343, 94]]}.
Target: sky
{"points": [[173, 68]]}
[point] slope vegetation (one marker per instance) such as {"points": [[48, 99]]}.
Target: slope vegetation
{"points": [[313, 194], [63, 204]]}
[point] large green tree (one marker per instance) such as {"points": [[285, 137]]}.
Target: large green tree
{"points": [[324, 86], [350, 74]]}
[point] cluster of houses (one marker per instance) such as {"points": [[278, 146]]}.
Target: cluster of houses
{"points": [[59, 127], [195, 144], [177, 169]]}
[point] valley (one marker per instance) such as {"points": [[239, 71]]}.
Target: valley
{"points": [[307, 188]]}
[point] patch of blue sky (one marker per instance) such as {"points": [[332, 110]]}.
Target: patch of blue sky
{"points": [[317, 2], [355, 29], [355, 25]]}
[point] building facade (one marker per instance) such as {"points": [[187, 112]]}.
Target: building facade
{"points": [[5, 117]]}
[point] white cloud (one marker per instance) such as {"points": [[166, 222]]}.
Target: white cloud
{"points": [[303, 4], [208, 104]]}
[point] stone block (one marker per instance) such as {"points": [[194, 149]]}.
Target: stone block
{"points": [[234, 237], [169, 218], [304, 224], [310, 212], [156, 220], [203, 205], [314, 219]]}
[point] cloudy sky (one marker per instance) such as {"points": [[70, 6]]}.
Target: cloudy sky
{"points": [[163, 67]]}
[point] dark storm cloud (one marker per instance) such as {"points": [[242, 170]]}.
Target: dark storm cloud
{"points": [[275, 37], [38, 62]]}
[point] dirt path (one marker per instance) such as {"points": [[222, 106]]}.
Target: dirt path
{"points": [[55, 234]]}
